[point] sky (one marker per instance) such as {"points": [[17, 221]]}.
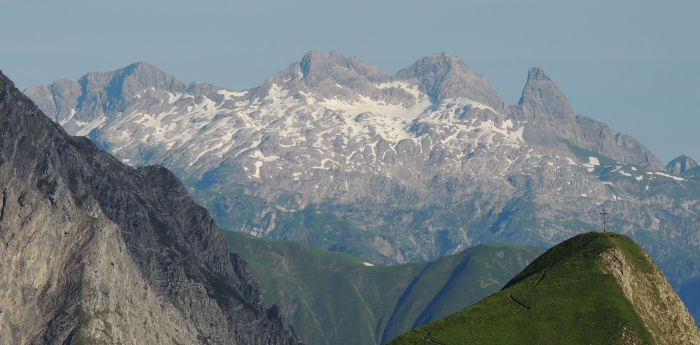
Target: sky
{"points": [[634, 65]]}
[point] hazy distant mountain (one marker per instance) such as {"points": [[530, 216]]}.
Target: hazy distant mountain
{"points": [[592, 289], [681, 165], [97, 252], [335, 153], [335, 298]]}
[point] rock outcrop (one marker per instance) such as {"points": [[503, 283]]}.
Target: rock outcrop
{"points": [[653, 298], [680, 165], [94, 251]]}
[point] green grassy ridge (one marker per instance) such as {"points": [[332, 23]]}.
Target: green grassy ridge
{"points": [[562, 297], [335, 298]]}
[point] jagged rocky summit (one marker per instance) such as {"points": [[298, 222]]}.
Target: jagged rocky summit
{"points": [[335, 153], [94, 251], [595, 288]]}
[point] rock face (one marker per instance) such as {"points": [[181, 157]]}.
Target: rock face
{"points": [[680, 165], [94, 251], [443, 76], [551, 119], [594, 288], [335, 153], [653, 299]]}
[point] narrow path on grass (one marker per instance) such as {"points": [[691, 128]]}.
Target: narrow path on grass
{"points": [[518, 302], [431, 341]]}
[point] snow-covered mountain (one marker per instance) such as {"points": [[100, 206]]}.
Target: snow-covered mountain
{"points": [[336, 153]]}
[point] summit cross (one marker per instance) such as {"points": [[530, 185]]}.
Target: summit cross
{"points": [[604, 213]]}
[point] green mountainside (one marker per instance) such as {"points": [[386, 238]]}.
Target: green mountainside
{"points": [[335, 298], [595, 288]]}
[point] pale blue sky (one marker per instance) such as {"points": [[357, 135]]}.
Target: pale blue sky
{"points": [[632, 64]]}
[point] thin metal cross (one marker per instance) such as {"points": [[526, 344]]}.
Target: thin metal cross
{"points": [[604, 213]]}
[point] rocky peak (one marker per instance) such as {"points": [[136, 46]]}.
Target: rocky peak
{"points": [[443, 75], [130, 80], [317, 66], [550, 119], [680, 165], [536, 73], [329, 75], [543, 97]]}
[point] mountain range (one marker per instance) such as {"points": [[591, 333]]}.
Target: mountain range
{"points": [[94, 251], [335, 298], [335, 153]]}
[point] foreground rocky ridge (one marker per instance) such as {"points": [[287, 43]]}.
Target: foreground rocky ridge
{"points": [[94, 251], [595, 288], [335, 153]]}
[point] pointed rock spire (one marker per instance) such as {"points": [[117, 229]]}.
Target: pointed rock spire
{"points": [[544, 97]]}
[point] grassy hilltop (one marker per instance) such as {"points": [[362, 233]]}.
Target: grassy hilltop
{"points": [[595, 288]]}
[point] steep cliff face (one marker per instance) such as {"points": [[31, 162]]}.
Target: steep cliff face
{"points": [[663, 313], [93, 251]]}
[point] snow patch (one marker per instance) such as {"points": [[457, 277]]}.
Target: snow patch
{"points": [[592, 163], [676, 178], [390, 121], [623, 173], [172, 98], [259, 155], [507, 124], [256, 175], [87, 127], [231, 94]]}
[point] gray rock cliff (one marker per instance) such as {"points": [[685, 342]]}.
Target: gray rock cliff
{"points": [[94, 251]]}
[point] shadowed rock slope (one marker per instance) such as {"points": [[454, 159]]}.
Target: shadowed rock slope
{"points": [[93, 251], [594, 288]]}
